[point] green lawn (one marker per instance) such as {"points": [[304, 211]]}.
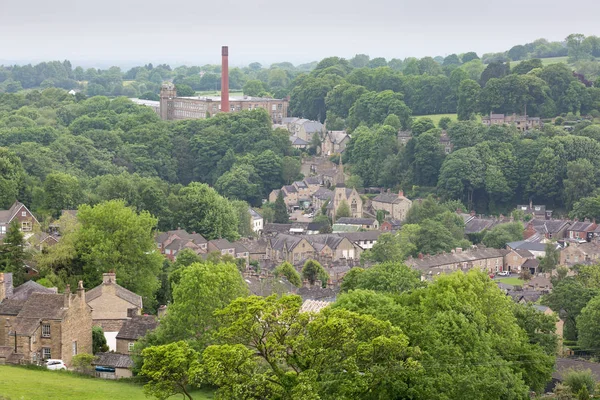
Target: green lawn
{"points": [[436, 117], [23, 384], [511, 281], [547, 61]]}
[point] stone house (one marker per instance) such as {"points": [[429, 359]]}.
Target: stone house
{"points": [[351, 197], [303, 191], [391, 225], [487, 259], [110, 303], [133, 329], [335, 246], [334, 142], [582, 230], [320, 197], [538, 211], [550, 229], [580, 253], [521, 122], [538, 249], [290, 195], [18, 211], [257, 248], [395, 206], [362, 223], [170, 243], [313, 183], [290, 248], [222, 246], [44, 326], [365, 240], [241, 251], [514, 259], [299, 143]]}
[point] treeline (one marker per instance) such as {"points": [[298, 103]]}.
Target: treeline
{"points": [[60, 151], [490, 169], [389, 335]]}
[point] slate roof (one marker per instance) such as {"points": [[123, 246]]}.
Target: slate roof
{"points": [[323, 194], [25, 326], [222, 244], [337, 137], [315, 292], [11, 307], [589, 248], [333, 241], [581, 226], [137, 327], [277, 228], [312, 180], [240, 248], [44, 305], [290, 189], [296, 141], [258, 246], [25, 290], [313, 306], [524, 253], [300, 185], [355, 221], [531, 263], [113, 360], [254, 214], [361, 236], [7, 215], [477, 225], [120, 291], [522, 244], [290, 241], [391, 198], [312, 126], [182, 234], [548, 226]]}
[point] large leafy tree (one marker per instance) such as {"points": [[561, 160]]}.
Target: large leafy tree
{"points": [[272, 350], [389, 277], [12, 253], [61, 192], [588, 326], [196, 297], [199, 208], [280, 210], [114, 237], [11, 177]]}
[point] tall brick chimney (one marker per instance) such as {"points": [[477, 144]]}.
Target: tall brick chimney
{"points": [[225, 79]]}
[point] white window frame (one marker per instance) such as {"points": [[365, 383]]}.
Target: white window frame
{"points": [[45, 330], [130, 346], [23, 213], [46, 353], [74, 347]]}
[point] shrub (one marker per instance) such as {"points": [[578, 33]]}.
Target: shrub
{"points": [[82, 363], [576, 380]]}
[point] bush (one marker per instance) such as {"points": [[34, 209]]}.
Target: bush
{"points": [[576, 380], [82, 363], [98, 340]]}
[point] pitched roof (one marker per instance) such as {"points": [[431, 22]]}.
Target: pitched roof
{"points": [[7, 215], [312, 180], [391, 198], [313, 306], [44, 305], [222, 244], [258, 246], [524, 253], [361, 236], [312, 126], [445, 259], [331, 240], [315, 226], [477, 225], [298, 141], [137, 327], [113, 360], [240, 248], [355, 221], [24, 326], [323, 194], [338, 228], [337, 137], [290, 189], [300, 184], [11, 307], [254, 214], [581, 226], [25, 290], [289, 241], [548, 226], [531, 263], [120, 291]]}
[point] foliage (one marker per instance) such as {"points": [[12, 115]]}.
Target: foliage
{"points": [[343, 210], [313, 271], [271, 350], [389, 277], [12, 253], [286, 269], [98, 340], [170, 369], [502, 234], [578, 380], [82, 363], [587, 326], [550, 261], [281, 215], [195, 298]]}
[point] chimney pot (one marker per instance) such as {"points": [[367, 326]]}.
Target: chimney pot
{"points": [[132, 312], [109, 278]]}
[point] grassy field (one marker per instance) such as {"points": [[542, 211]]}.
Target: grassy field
{"points": [[23, 384], [511, 281], [436, 117]]}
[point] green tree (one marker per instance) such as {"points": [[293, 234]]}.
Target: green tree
{"points": [[115, 237], [468, 98], [281, 215], [580, 380], [199, 208], [286, 269], [429, 156], [552, 258], [12, 253], [587, 207], [98, 340], [570, 295], [195, 299], [272, 350], [313, 271], [184, 90], [579, 49], [588, 323], [290, 169], [581, 180], [61, 192], [11, 177], [343, 210], [240, 183], [502, 234], [544, 181], [244, 218], [389, 277], [170, 369]]}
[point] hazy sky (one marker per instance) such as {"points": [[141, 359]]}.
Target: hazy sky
{"points": [[185, 31]]}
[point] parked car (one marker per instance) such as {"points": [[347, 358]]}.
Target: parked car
{"points": [[55, 364], [504, 273]]}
